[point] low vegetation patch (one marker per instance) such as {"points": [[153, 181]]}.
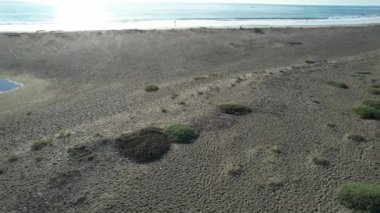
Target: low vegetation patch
{"points": [[12, 158], [81, 152], [372, 103], [39, 144], [197, 78], [181, 133], [321, 161], [363, 73], [375, 86], [360, 196], [367, 112], [337, 84], [151, 88], [38, 159], [234, 109], [374, 91], [2, 170], [356, 138], [144, 146]]}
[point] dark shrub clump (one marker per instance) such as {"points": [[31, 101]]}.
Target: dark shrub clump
{"points": [[360, 196], [321, 161], [181, 133], [367, 112], [337, 84], [39, 144], [234, 109], [151, 88], [144, 146]]}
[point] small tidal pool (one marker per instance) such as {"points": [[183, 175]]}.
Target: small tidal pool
{"points": [[8, 85]]}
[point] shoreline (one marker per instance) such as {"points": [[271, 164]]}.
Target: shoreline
{"points": [[190, 24]]}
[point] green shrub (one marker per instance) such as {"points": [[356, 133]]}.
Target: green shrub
{"points": [[373, 103], [375, 86], [144, 146], [2, 170], [39, 144], [234, 109], [181, 133], [151, 88], [360, 196], [367, 112], [337, 84]]}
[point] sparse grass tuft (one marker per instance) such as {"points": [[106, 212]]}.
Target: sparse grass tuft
{"points": [[12, 158], [234, 109], [374, 91], [151, 88], [181, 133], [38, 159], [39, 144], [163, 110], [367, 112], [376, 86], [363, 73], [337, 84], [144, 146], [2, 170], [360, 196], [197, 78], [174, 96], [81, 152]]}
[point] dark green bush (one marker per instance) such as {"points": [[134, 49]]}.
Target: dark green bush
{"points": [[337, 84], [367, 112], [151, 88], [234, 109], [373, 103], [360, 196], [181, 133], [144, 146]]}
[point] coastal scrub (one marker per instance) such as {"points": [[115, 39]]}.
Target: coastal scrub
{"points": [[181, 133], [360, 196]]}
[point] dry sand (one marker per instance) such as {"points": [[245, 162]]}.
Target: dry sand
{"points": [[92, 83]]}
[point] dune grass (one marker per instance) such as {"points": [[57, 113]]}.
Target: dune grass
{"points": [[234, 109], [39, 144], [337, 84], [368, 110], [151, 88], [360, 196], [181, 133]]}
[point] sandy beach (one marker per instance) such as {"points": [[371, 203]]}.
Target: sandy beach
{"points": [[87, 88]]}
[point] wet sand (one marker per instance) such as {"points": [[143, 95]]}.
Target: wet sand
{"points": [[91, 84]]}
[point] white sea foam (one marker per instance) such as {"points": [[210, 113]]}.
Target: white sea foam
{"points": [[185, 24]]}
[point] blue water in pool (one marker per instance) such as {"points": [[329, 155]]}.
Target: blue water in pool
{"points": [[7, 85]]}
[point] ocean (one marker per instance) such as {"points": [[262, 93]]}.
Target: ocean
{"points": [[99, 14]]}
